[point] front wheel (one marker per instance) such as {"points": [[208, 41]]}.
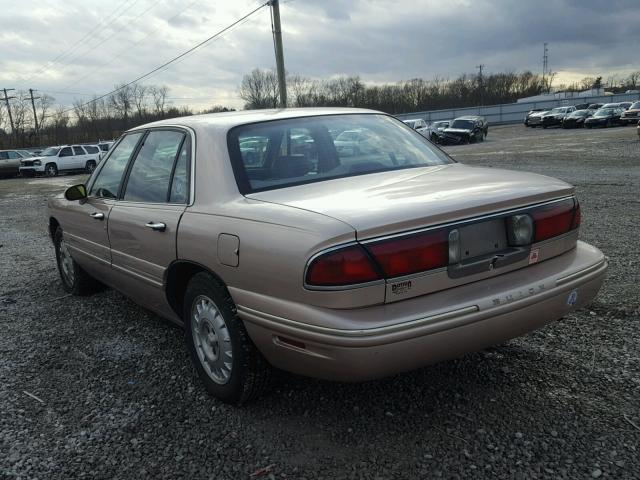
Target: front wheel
{"points": [[74, 279], [229, 365], [51, 170]]}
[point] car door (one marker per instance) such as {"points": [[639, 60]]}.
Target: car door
{"points": [[85, 222], [65, 159], [79, 157], [144, 222]]}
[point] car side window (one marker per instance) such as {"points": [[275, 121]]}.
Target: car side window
{"points": [[77, 150], [91, 149], [181, 175], [4, 155], [14, 155], [66, 152], [109, 178], [150, 175]]}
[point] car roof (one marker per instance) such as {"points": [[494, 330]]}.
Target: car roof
{"points": [[228, 120]]}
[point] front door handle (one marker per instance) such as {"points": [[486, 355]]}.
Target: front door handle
{"points": [[97, 215], [158, 226]]}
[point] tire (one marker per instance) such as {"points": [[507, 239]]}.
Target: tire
{"points": [[51, 170], [74, 279], [210, 315], [90, 166]]}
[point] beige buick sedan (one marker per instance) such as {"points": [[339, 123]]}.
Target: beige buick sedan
{"points": [[334, 243]]}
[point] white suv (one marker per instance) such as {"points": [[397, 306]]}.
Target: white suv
{"points": [[65, 158]]}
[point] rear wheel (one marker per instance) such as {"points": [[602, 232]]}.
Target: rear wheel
{"points": [[74, 279], [51, 170], [91, 166], [227, 361]]}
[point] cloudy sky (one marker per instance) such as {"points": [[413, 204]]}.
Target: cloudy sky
{"points": [[76, 48]]}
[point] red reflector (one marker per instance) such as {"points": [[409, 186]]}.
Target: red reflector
{"points": [[553, 220], [577, 217], [345, 266], [403, 256]]}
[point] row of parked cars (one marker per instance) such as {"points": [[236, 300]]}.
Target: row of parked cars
{"points": [[52, 160], [585, 115], [462, 130]]}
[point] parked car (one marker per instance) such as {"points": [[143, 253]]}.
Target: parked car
{"points": [[576, 119], [631, 115], [605, 117], [468, 129], [595, 106], [25, 153], [638, 129], [535, 119], [418, 124], [625, 105], [582, 106], [555, 116], [104, 147], [611, 105], [342, 268], [436, 130], [10, 162], [531, 112], [65, 158]]}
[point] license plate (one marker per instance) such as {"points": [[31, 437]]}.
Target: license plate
{"points": [[482, 238]]}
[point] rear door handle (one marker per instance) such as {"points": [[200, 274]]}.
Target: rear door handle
{"points": [[97, 215], [157, 226]]}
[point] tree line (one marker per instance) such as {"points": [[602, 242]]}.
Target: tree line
{"points": [[103, 118], [87, 121], [259, 89]]}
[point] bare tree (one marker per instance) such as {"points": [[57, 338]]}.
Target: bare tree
{"points": [[159, 96], [259, 89], [633, 80], [122, 100], [43, 104], [139, 93]]}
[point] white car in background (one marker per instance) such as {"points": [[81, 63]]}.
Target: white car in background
{"points": [[436, 130], [418, 125], [65, 158]]}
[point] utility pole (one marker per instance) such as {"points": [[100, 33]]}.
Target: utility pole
{"points": [[480, 82], [6, 100], [545, 61], [35, 115], [277, 44]]}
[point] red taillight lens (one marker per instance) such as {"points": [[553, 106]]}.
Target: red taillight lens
{"points": [[553, 220], [403, 256], [346, 266]]}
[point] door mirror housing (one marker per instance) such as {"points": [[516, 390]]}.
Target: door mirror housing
{"points": [[77, 192]]}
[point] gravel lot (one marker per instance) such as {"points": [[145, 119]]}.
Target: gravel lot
{"points": [[114, 395]]}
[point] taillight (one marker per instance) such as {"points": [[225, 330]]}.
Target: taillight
{"points": [[416, 253], [577, 216], [554, 219], [345, 266]]}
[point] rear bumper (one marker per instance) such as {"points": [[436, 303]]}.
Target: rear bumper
{"points": [[373, 342]]}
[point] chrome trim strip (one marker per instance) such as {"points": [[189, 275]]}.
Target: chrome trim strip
{"points": [[365, 332], [586, 271]]}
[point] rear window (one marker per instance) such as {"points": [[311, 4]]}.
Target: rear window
{"points": [[284, 153]]}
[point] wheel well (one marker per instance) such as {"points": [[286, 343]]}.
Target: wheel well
{"points": [[53, 226], [177, 279]]}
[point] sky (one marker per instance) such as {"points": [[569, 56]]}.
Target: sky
{"points": [[77, 48]]}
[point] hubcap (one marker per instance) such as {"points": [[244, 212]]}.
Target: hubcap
{"points": [[66, 263], [51, 171], [212, 340]]}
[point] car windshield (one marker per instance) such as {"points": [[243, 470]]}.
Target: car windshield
{"points": [[635, 106], [558, 110], [579, 113], [440, 124], [304, 150], [411, 123], [50, 152], [464, 124], [603, 112]]}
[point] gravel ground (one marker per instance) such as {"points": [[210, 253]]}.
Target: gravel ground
{"points": [[97, 387]]}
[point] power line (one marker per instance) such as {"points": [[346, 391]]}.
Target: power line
{"points": [[124, 50], [79, 42], [169, 62]]}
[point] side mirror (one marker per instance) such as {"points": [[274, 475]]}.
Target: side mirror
{"points": [[77, 192]]}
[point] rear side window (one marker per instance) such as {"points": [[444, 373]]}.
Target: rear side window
{"points": [[109, 178], [14, 155], [91, 149], [77, 150], [4, 155], [150, 177], [181, 175]]}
